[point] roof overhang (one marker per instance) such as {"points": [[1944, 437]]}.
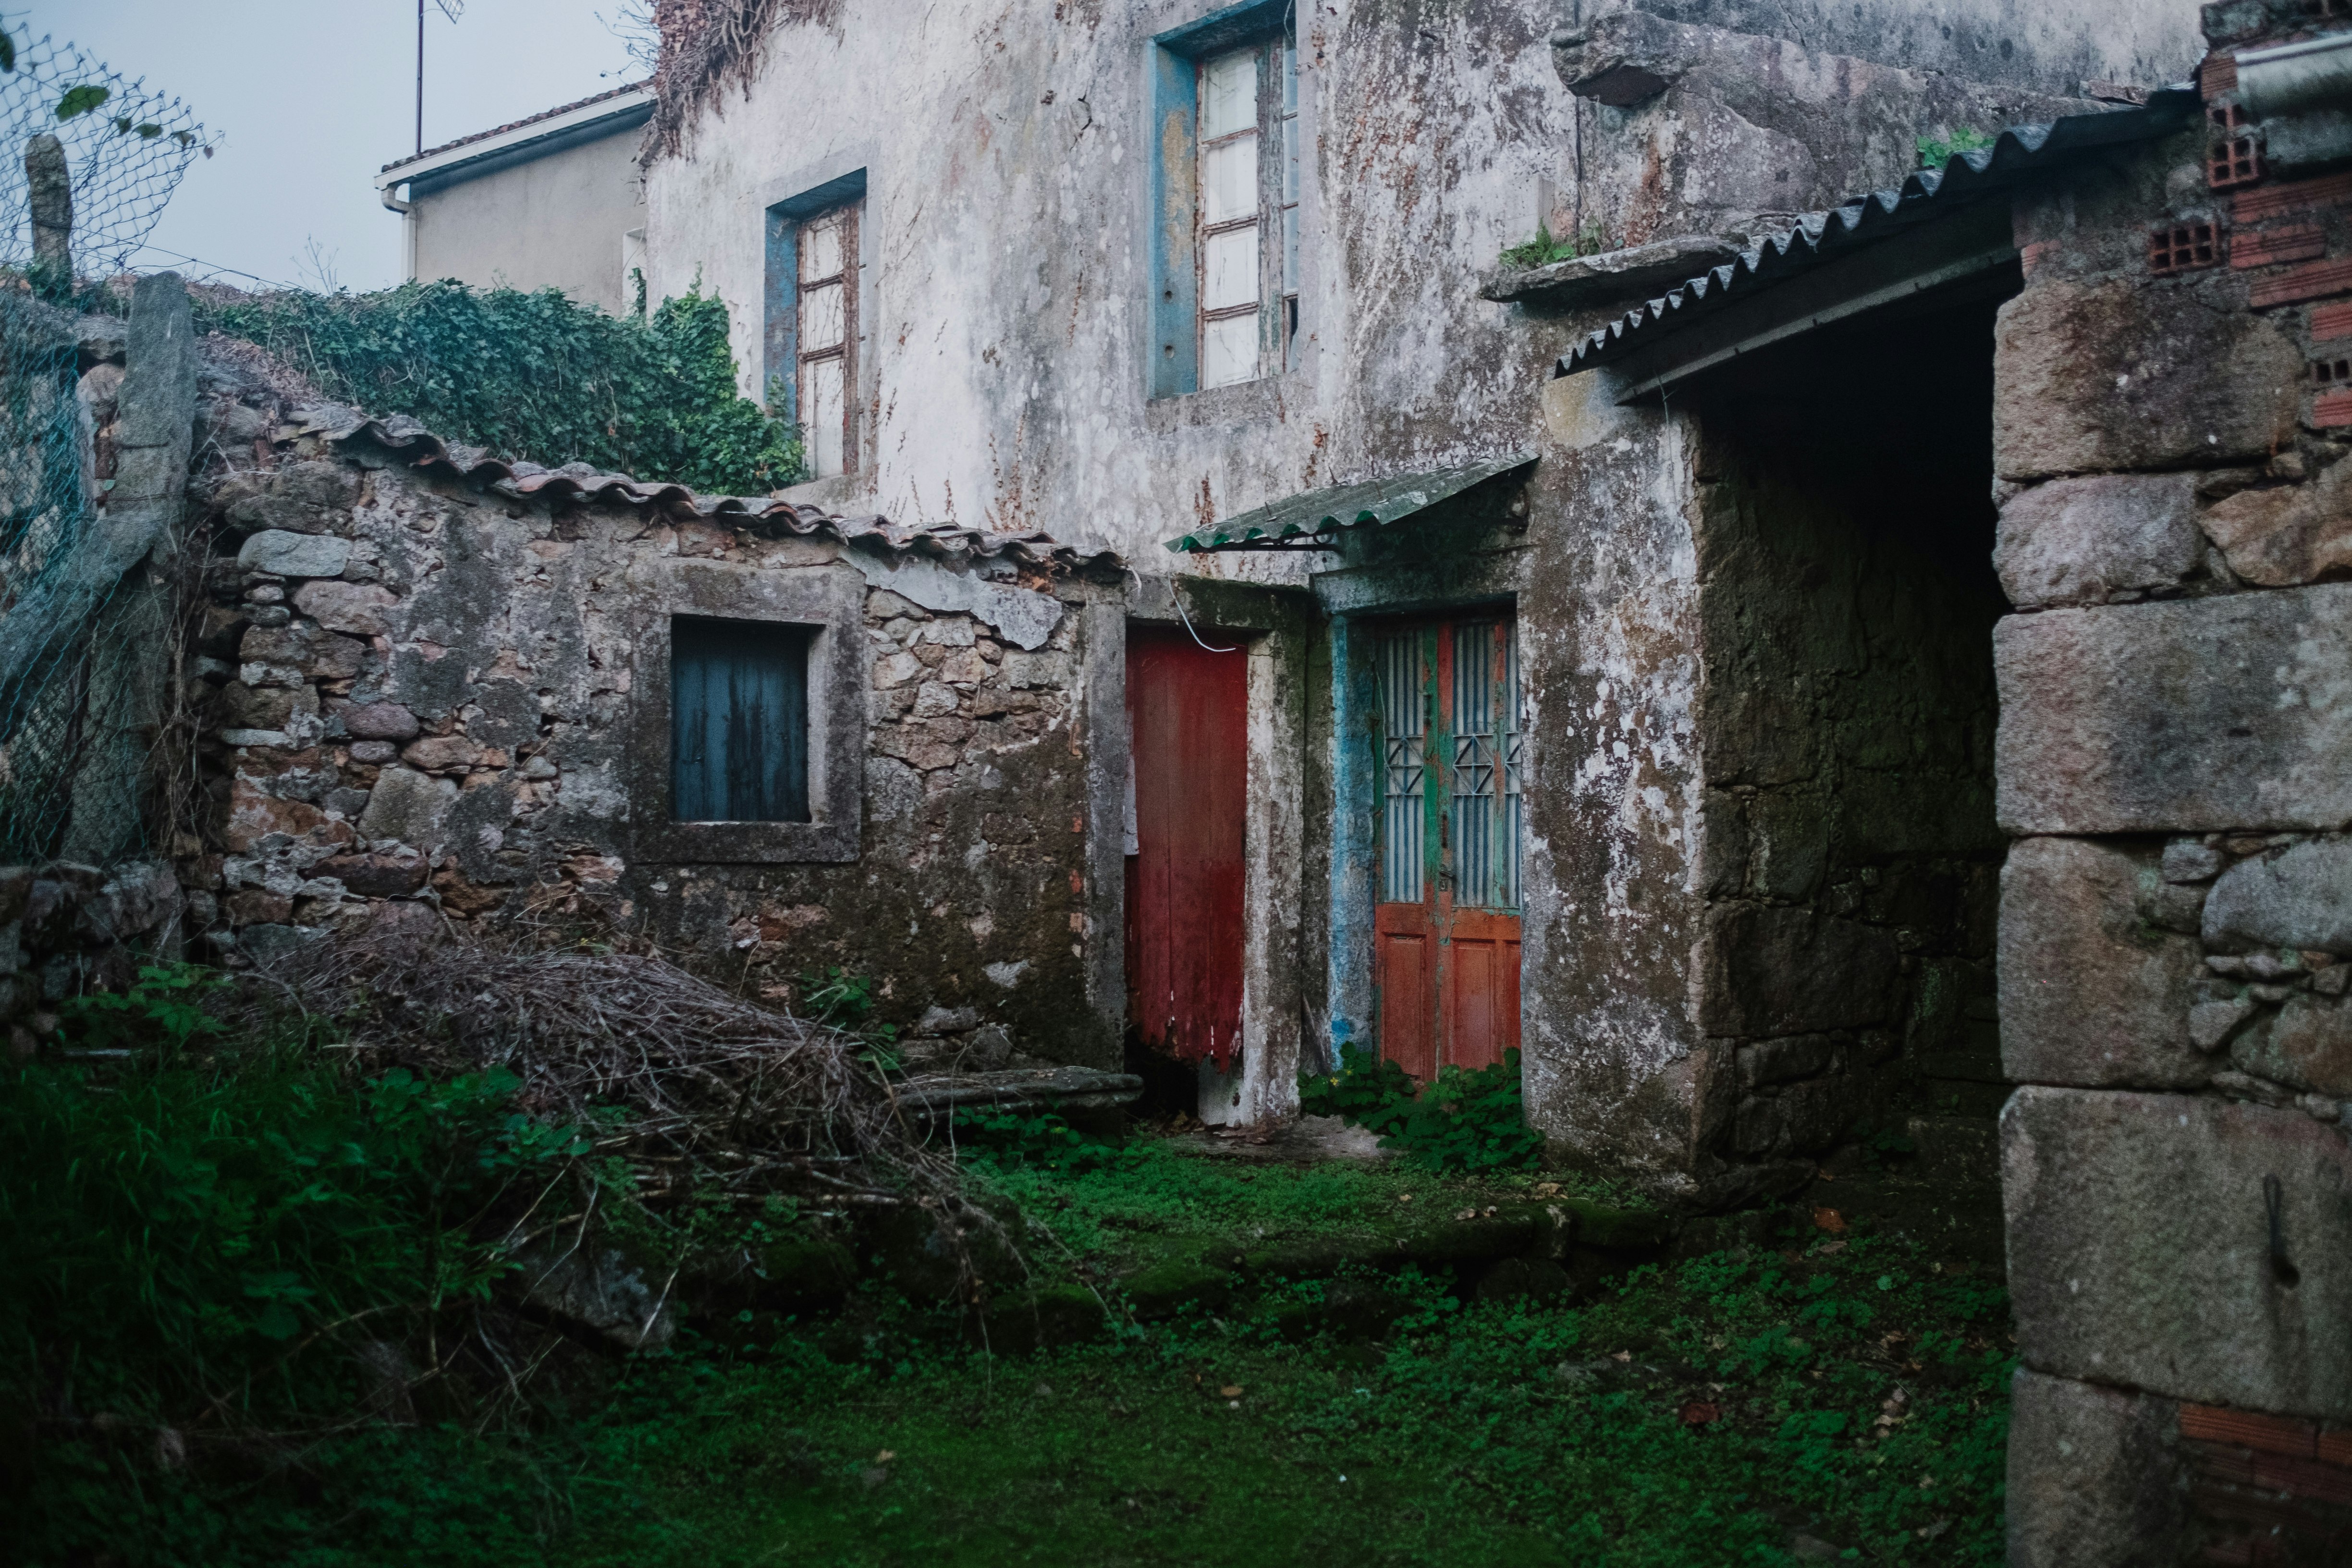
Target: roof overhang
{"points": [[1315, 519], [1875, 252], [588, 121]]}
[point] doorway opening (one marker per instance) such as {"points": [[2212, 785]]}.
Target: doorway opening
{"points": [[1847, 603], [1188, 717], [1445, 923]]}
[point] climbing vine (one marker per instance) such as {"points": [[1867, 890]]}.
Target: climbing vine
{"points": [[536, 375]]}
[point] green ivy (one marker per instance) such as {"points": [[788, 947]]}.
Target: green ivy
{"points": [[1459, 1121], [537, 377], [1935, 151]]}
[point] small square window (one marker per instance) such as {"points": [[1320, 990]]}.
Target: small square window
{"points": [[739, 722]]}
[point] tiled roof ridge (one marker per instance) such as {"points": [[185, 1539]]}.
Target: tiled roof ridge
{"points": [[579, 482], [518, 124]]}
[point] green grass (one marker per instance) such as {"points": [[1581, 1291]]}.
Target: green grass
{"points": [[1460, 1441], [1148, 1189]]}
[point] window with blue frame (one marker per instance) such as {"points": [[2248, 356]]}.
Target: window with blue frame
{"points": [[739, 721], [813, 319], [1225, 188]]}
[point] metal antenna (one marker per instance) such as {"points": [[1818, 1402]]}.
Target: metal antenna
{"points": [[452, 9]]}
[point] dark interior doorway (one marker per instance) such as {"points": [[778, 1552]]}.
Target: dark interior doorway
{"points": [[1848, 601]]}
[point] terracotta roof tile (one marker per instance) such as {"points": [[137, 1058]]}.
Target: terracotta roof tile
{"points": [[579, 482]]}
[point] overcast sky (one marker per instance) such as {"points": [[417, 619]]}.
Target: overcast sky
{"points": [[306, 98]]}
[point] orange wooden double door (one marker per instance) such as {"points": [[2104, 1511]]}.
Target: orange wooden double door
{"points": [[1446, 922]]}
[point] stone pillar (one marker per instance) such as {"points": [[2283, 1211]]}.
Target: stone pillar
{"points": [[126, 575], [2174, 764]]}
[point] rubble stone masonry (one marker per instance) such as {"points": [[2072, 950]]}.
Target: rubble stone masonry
{"points": [[435, 686]]}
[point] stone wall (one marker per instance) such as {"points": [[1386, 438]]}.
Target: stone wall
{"points": [[2175, 758], [67, 929], [435, 680], [1847, 723]]}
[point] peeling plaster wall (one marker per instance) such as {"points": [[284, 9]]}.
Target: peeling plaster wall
{"points": [[1007, 310], [2045, 46], [1609, 650]]}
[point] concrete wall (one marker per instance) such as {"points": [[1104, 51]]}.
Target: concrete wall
{"points": [[2174, 752], [555, 221]]}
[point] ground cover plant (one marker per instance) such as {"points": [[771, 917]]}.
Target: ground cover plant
{"points": [[1807, 1397]]}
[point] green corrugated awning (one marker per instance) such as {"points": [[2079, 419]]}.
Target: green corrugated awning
{"points": [[1314, 521]]}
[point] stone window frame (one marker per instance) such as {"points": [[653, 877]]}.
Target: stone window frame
{"points": [[830, 601]]}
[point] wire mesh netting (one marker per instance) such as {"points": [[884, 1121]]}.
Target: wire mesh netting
{"points": [[87, 160]]}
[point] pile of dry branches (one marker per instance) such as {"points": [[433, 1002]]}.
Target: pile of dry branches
{"points": [[710, 1092]]}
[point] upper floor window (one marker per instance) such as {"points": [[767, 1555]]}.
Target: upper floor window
{"points": [[815, 280], [827, 335], [1226, 148], [1248, 213]]}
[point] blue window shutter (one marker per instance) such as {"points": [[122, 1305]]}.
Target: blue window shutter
{"points": [[1175, 349], [739, 722]]}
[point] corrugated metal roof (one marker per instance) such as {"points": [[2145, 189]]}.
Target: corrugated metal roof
{"points": [[1864, 220], [1309, 522], [577, 483]]}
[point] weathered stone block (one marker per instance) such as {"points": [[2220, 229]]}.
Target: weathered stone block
{"points": [[2233, 712], [2307, 1045], [241, 706], [288, 554], [409, 807], [375, 875], [2128, 373], [2140, 1247], [1797, 1118], [441, 753], [2090, 993], [2300, 897], [2080, 540], [1787, 971], [2096, 1479], [379, 721], [1777, 1061], [320, 655], [2287, 533], [359, 609]]}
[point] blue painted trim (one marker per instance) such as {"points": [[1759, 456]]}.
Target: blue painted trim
{"points": [[780, 310], [1175, 346], [1355, 790], [1246, 22]]}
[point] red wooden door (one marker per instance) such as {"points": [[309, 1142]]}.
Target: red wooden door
{"points": [[1445, 927], [1188, 709]]}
